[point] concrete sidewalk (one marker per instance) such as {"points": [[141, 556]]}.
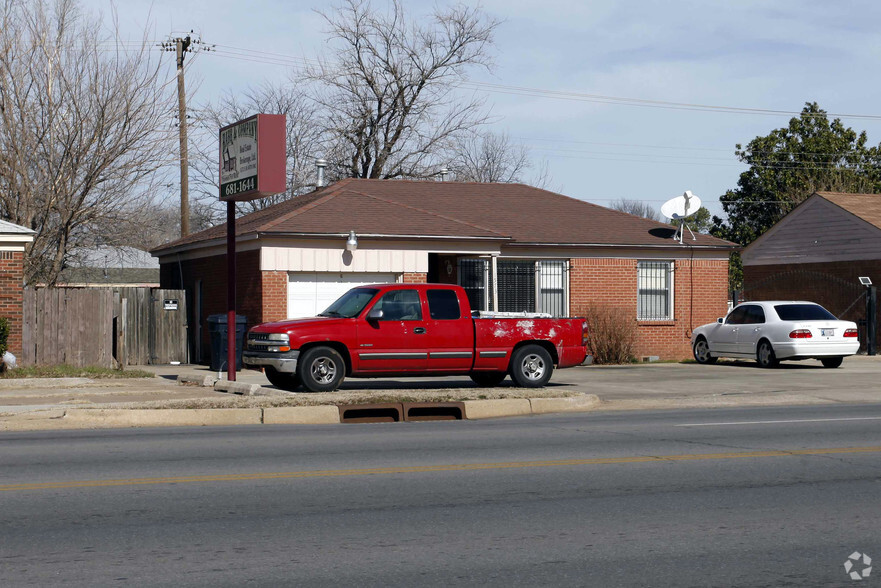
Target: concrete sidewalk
{"points": [[208, 399]]}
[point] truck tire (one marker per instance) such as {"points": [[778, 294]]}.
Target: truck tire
{"points": [[321, 369], [488, 379], [531, 366], [285, 381]]}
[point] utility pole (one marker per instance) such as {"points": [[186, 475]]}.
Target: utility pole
{"points": [[182, 45]]}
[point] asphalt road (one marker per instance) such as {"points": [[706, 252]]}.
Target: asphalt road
{"points": [[735, 497]]}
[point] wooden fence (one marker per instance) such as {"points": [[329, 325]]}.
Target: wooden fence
{"points": [[104, 327]]}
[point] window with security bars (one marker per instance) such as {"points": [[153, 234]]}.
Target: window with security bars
{"points": [[524, 286], [654, 290]]}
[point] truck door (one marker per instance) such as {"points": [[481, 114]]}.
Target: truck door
{"points": [[450, 335], [396, 341]]}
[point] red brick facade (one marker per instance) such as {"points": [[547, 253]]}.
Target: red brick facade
{"points": [[11, 292], [700, 295]]}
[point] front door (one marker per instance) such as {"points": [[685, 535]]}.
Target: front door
{"points": [[396, 341], [724, 338]]}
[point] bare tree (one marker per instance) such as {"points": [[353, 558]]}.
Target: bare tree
{"points": [[302, 145], [494, 157], [636, 207], [84, 127], [386, 91]]}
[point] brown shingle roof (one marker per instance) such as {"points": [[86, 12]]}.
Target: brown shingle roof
{"points": [[864, 206], [512, 212]]}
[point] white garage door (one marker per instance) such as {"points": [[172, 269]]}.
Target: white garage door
{"points": [[310, 293]]}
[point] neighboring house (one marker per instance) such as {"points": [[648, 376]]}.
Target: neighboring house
{"points": [[109, 267], [818, 252], [13, 241], [513, 248]]}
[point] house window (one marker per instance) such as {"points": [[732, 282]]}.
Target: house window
{"points": [[524, 286], [654, 290]]}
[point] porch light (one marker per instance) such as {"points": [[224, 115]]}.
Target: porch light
{"points": [[352, 242]]}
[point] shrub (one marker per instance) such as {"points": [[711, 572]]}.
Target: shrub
{"points": [[611, 333], [4, 334]]}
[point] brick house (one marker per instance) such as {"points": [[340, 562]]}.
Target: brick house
{"points": [[512, 247], [818, 252], [13, 241]]}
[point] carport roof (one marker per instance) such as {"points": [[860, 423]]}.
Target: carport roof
{"points": [[513, 213]]}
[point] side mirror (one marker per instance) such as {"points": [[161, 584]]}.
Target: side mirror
{"points": [[375, 314], [720, 320]]}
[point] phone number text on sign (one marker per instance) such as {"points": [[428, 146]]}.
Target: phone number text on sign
{"points": [[239, 186]]}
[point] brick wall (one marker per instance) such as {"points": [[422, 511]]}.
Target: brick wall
{"points": [[700, 296], [11, 288], [415, 278]]}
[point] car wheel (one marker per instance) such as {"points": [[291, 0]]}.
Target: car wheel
{"points": [[832, 362], [765, 355], [283, 380], [531, 366], [321, 369], [701, 351], [488, 379]]}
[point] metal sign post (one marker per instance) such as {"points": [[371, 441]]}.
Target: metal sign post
{"points": [[252, 165]]}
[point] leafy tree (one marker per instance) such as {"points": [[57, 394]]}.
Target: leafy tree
{"points": [[700, 222], [787, 166], [791, 163]]}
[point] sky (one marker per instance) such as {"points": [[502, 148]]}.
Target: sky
{"points": [[572, 56]]}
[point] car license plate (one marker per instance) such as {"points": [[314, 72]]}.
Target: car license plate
{"points": [[827, 332]]}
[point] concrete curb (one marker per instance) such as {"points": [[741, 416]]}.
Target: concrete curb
{"points": [[501, 407], [196, 379], [571, 404], [89, 418], [301, 415]]}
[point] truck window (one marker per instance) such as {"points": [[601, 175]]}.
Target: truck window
{"points": [[400, 305], [443, 305]]}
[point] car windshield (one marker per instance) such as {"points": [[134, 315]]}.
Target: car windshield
{"points": [[351, 303], [803, 312]]}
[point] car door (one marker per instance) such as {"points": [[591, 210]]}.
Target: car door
{"points": [[752, 330], [724, 336], [394, 342], [450, 332]]}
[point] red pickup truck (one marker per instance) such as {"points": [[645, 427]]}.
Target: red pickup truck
{"points": [[412, 330]]}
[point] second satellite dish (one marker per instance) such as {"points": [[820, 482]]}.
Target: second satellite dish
{"points": [[681, 206]]}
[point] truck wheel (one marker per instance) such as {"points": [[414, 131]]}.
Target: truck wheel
{"points": [[321, 369], [283, 380], [531, 366], [488, 379]]}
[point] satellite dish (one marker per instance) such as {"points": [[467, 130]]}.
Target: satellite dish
{"points": [[680, 208]]}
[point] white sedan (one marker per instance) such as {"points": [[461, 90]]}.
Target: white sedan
{"points": [[771, 331]]}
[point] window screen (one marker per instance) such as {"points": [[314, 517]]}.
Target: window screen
{"points": [[516, 286], [654, 290]]}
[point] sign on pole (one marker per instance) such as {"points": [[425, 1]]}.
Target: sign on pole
{"points": [[252, 158], [252, 165]]}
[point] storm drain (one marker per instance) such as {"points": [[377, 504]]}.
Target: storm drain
{"points": [[406, 411], [371, 413], [434, 411]]}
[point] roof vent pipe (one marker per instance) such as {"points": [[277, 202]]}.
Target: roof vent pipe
{"points": [[443, 174], [320, 164]]}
